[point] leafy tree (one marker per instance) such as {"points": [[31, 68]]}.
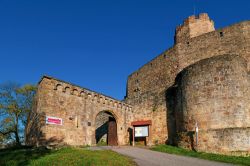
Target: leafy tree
{"points": [[15, 105], [1, 139]]}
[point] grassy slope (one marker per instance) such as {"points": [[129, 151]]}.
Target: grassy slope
{"points": [[206, 156], [66, 156]]}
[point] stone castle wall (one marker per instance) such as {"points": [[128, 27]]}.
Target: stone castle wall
{"points": [[78, 109], [214, 93], [147, 87], [35, 122], [215, 64], [161, 71]]}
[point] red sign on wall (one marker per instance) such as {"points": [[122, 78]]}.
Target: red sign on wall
{"points": [[53, 120]]}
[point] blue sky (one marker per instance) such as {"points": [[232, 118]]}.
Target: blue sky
{"points": [[95, 44]]}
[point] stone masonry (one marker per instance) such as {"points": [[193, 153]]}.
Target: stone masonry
{"points": [[78, 107], [203, 79]]}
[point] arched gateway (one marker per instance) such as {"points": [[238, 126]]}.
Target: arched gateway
{"points": [[68, 114], [106, 129]]}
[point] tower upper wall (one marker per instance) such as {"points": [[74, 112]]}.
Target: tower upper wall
{"points": [[158, 74], [194, 26], [151, 88]]}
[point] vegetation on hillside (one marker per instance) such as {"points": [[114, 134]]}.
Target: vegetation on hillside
{"points": [[15, 106], [65, 156], [207, 156]]}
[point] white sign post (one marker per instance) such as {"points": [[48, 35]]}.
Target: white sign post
{"points": [[196, 133], [133, 136]]}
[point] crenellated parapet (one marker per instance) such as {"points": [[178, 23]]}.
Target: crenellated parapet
{"points": [[77, 109], [86, 94], [194, 26], [194, 19]]}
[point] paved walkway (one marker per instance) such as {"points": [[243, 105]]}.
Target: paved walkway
{"points": [[144, 157]]}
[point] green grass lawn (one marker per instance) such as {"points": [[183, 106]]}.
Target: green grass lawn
{"points": [[63, 157], [207, 156]]}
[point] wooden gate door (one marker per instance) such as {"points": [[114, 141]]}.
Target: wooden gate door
{"points": [[112, 134]]}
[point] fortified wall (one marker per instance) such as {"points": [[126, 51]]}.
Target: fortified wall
{"points": [[203, 79], [79, 108], [215, 94], [151, 89]]}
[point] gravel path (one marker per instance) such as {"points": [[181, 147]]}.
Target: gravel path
{"points": [[144, 157]]}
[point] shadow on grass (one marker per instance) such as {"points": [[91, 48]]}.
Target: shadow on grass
{"points": [[21, 155]]}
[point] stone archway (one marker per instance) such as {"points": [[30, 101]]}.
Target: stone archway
{"points": [[106, 129]]}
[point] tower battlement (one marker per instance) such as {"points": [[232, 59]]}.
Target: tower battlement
{"points": [[194, 26]]}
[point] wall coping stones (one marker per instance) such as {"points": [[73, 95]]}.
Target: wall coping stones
{"points": [[87, 93]]}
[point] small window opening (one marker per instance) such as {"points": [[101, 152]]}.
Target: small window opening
{"points": [[221, 34]]}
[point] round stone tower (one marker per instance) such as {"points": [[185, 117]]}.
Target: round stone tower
{"points": [[214, 93]]}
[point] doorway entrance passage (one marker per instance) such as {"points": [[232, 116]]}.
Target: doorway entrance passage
{"points": [[106, 129]]}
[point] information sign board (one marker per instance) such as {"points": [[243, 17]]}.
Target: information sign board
{"points": [[141, 131]]}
